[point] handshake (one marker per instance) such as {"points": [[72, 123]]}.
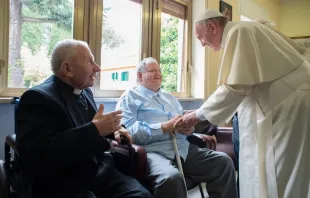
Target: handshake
{"points": [[110, 123], [183, 124]]}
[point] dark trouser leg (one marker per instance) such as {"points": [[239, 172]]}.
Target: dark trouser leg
{"points": [[214, 168], [165, 178], [117, 185], [121, 186]]}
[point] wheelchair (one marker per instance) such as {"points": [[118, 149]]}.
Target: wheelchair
{"points": [[14, 182]]}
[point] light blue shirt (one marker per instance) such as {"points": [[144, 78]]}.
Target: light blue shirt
{"points": [[143, 113]]}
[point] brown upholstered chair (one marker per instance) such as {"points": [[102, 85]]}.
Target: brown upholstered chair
{"points": [[200, 139], [225, 144]]}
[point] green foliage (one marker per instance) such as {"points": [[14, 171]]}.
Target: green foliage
{"points": [[58, 10], [53, 23], [109, 37], [32, 36], [34, 78], [169, 53], [57, 34]]}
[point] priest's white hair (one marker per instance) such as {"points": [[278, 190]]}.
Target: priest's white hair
{"points": [[63, 50]]}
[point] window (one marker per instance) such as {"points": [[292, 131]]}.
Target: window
{"points": [[121, 39], [125, 76], [134, 29], [30, 31], [128, 31], [172, 45], [35, 27]]}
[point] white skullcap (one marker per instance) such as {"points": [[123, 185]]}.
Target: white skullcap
{"points": [[208, 14]]}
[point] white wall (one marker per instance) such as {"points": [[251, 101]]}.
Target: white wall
{"points": [[199, 56]]}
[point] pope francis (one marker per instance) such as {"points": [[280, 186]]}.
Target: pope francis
{"points": [[266, 80]]}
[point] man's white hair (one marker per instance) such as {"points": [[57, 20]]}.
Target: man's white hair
{"points": [[266, 22], [63, 50], [142, 65]]}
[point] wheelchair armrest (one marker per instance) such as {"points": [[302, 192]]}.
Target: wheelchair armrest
{"points": [[203, 141], [11, 141], [140, 162]]}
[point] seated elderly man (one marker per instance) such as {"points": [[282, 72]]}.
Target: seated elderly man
{"points": [[62, 138], [149, 113]]}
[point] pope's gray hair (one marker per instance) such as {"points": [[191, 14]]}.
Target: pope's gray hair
{"points": [[63, 50]]}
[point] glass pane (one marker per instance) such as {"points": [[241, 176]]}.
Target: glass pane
{"points": [[171, 52], [121, 43], [35, 27]]}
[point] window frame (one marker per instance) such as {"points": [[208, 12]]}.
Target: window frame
{"points": [[80, 32], [186, 75], [87, 26]]}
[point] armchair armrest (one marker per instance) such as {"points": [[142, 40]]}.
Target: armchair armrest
{"points": [[225, 144], [205, 127], [224, 134], [203, 141]]}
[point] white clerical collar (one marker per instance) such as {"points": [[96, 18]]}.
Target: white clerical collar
{"points": [[77, 91], [228, 26]]}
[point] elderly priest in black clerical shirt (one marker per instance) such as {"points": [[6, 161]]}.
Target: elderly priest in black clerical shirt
{"points": [[61, 136]]}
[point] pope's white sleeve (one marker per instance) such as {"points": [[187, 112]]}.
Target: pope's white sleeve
{"points": [[222, 104]]}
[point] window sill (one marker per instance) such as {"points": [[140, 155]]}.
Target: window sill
{"points": [[106, 100], [98, 100], [5, 100]]}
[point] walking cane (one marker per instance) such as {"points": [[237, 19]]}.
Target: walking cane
{"points": [[177, 156]]}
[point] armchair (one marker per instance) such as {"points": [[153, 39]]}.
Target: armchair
{"points": [[140, 159], [223, 138]]}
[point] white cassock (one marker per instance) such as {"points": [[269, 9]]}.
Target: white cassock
{"points": [[267, 81]]}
